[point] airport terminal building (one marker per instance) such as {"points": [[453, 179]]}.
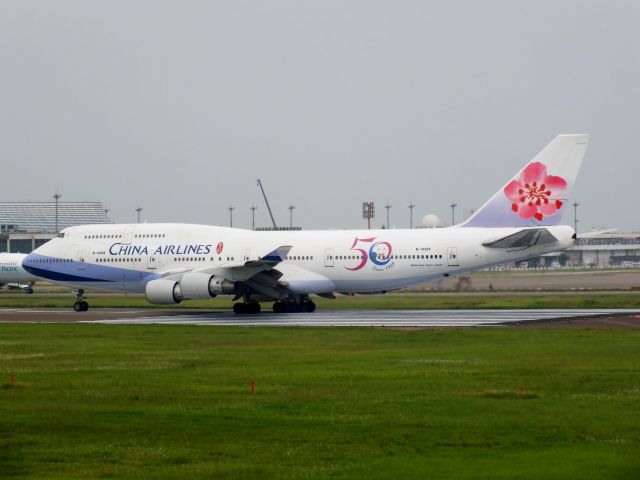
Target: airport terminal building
{"points": [[605, 250], [24, 226]]}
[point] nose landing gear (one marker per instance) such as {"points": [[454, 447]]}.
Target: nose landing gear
{"points": [[80, 305]]}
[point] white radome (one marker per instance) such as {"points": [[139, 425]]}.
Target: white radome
{"points": [[431, 221]]}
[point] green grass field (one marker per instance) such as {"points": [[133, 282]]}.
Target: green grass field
{"points": [[97, 401], [394, 301]]}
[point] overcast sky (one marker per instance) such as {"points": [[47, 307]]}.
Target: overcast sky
{"points": [[180, 106]]}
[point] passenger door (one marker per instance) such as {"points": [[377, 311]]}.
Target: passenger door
{"points": [[328, 257], [83, 255], [452, 257], [127, 235]]}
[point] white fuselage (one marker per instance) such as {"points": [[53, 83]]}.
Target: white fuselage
{"points": [[11, 270], [126, 257]]}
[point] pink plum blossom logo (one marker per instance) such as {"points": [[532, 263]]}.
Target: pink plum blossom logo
{"points": [[536, 194]]}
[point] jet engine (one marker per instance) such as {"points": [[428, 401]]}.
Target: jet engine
{"points": [[163, 292], [192, 285], [205, 285]]}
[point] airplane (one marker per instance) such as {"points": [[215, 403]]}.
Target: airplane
{"points": [[13, 275], [171, 262]]}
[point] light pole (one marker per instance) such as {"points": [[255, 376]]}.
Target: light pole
{"points": [[388, 207], [368, 212], [575, 217], [291, 209], [411, 207], [139, 209], [453, 212], [56, 197], [253, 217], [231, 209]]}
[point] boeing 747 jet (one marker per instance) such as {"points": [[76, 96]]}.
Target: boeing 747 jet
{"points": [[171, 262], [13, 274]]}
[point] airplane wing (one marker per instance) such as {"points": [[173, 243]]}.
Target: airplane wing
{"points": [[236, 270], [258, 275], [241, 271], [523, 239], [271, 259], [266, 277]]}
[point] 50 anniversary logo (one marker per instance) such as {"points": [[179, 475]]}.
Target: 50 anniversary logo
{"points": [[379, 253]]}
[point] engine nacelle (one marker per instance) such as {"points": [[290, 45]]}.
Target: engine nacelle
{"points": [[163, 292], [196, 285], [220, 286], [204, 285]]}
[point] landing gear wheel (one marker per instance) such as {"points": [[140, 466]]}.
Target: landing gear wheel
{"points": [[29, 290], [278, 307], [253, 307], [239, 308], [291, 307], [308, 306], [81, 306]]}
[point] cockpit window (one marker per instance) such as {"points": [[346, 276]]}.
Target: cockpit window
{"points": [[61, 235]]}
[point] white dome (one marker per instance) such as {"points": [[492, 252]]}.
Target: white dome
{"points": [[431, 221]]}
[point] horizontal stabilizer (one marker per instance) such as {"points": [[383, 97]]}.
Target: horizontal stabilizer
{"points": [[524, 239], [595, 233]]}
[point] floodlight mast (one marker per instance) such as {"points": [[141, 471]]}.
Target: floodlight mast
{"points": [[268, 207], [411, 207], [368, 212], [56, 197], [253, 217]]}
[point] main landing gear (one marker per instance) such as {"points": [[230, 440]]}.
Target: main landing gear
{"points": [[80, 305]]}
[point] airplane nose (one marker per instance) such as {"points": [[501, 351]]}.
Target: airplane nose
{"points": [[28, 260]]}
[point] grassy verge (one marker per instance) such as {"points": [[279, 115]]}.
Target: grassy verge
{"points": [[174, 402], [389, 301]]}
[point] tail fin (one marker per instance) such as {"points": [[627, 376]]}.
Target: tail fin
{"points": [[538, 195]]}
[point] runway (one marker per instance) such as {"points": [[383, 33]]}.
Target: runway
{"points": [[372, 318], [320, 318]]}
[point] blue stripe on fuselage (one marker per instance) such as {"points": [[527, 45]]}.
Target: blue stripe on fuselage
{"points": [[59, 270]]}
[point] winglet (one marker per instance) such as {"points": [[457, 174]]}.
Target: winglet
{"points": [[276, 256], [538, 194]]}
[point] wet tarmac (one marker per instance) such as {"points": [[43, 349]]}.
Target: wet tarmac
{"points": [[320, 318]]}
